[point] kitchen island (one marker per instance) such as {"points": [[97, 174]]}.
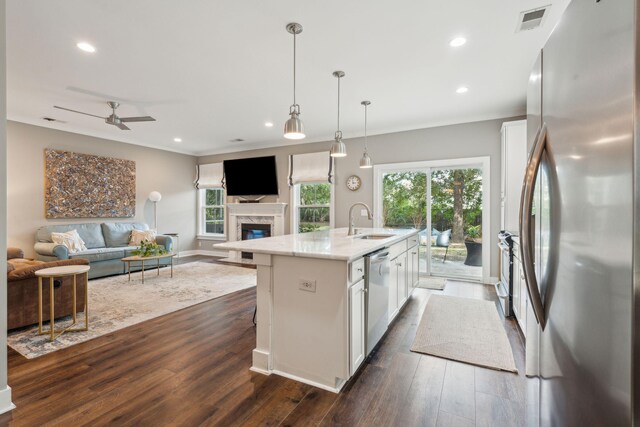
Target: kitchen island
{"points": [[311, 299]]}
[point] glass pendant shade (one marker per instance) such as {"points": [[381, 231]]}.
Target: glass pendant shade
{"points": [[365, 161]]}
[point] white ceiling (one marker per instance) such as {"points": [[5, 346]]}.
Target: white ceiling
{"points": [[212, 71]]}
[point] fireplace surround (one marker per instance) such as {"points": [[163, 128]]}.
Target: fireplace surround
{"points": [[254, 215]]}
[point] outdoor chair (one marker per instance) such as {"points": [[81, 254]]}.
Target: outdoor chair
{"points": [[442, 241]]}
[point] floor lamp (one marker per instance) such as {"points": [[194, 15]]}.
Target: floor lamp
{"points": [[155, 197]]}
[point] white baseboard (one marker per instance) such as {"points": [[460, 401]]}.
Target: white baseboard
{"points": [[5, 400], [204, 252], [490, 280], [311, 383], [260, 361]]}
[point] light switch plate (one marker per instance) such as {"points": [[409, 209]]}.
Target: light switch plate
{"points": [[363, 212], [307, 285]]}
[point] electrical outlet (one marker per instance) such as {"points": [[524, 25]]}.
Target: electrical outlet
{"points": [[307, 285], [363, 212]]}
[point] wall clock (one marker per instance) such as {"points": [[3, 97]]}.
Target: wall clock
{"points": [[354, 182]]}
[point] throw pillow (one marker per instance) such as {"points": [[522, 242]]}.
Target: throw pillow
{"points": [[71, 239], [137, 236]]}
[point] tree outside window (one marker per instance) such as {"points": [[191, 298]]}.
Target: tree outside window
{"points": [[314, 207], [213, 210], [456, 200]]}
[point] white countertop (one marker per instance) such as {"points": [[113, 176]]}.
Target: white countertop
{"points": [[327, 244]]}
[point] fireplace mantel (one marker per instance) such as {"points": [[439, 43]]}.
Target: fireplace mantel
{"points": [[256, 209]]}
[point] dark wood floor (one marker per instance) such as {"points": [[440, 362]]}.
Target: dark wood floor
{"points": [[191, 367]]}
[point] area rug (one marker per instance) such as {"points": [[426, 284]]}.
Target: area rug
{"points": [[115, 303], [464, 329], [434, 283]]}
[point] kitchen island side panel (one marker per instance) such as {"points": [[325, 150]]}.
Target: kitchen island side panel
{"points": [[310, 329]]}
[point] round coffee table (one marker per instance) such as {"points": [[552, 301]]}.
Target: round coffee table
{"points": [[142, 259], [62, 271]]}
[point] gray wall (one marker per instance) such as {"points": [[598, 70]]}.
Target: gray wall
{"points": [[446, 142], [169, 173], [5, 393]]}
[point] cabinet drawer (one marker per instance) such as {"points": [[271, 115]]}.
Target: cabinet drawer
{"points": [[412, 241], [397, 248], [356, 270]]}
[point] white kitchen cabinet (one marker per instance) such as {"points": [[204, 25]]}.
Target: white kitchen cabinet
{"points": [[399, 285], [357, 331], [524, 302], [393, 290], [516, 295], [519, 295], [513, 165], [414, 267], [401, 271]]}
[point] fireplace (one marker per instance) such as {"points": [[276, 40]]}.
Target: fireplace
{"points": [[254, 231]]}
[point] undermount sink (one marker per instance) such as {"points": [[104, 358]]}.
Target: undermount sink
{"points": [[375, 236]]}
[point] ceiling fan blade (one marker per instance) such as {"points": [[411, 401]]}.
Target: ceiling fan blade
{"points": [[137, 119], [79, 112], [122, 126]]}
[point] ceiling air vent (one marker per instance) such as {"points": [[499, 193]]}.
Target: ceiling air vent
{"points": [[531, 19]]}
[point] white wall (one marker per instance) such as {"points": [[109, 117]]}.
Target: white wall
{"points": [[169, 173], [5, 391], [445, 142]]}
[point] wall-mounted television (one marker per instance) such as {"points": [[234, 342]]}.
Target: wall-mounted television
{"points": [[255, 176]]}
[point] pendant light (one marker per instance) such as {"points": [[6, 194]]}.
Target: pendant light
{"points": [[338, 149], [365, 161], [293, 128]]}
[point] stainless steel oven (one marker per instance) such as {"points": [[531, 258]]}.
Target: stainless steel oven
{"points": [[504, 288]]}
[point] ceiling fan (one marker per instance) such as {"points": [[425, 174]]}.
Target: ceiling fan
{"points": [[114, 119]]}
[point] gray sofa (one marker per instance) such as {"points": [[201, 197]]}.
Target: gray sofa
{"points": [[107, 243]]}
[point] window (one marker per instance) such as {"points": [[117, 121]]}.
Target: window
{"points": [[313, 207], [211, 212]]}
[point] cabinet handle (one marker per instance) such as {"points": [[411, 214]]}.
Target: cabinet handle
{"points": [[399, 264], [360, 270], [414, 253]]}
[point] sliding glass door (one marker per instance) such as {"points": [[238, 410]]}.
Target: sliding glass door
{"points": [[446, 205], [455, 210]]}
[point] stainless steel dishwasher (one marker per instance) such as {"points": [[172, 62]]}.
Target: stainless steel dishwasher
{"points": [[377, 269]]}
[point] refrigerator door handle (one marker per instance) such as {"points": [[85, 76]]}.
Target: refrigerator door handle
{"points": [[526, 237]]}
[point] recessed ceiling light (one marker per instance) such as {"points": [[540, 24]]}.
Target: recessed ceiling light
{"points": [[177, 139], [457, 42], [268, 124], [86, 47], [462, 89]]}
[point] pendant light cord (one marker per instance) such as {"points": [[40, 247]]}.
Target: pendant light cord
{"points": [[294, 68], [365, 128], [338, 104]]}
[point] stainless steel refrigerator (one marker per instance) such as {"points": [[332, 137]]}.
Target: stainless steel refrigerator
{"points": [[580, 220]]}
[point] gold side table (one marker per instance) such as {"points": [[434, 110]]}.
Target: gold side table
{"points": [[63, 271], [142, 259]]}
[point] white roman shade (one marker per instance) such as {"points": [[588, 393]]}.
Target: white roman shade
{"points": [[209, 176], [310, 167]]}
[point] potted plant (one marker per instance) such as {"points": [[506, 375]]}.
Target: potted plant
{"points": [[149, 249], [473, 242]]}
